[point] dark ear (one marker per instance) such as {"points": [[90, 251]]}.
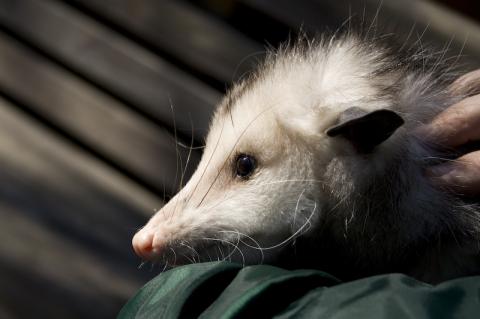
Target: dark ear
{"points": [[364, 129]]}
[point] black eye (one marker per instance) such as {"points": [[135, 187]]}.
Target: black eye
{"points": [[245, 165]]}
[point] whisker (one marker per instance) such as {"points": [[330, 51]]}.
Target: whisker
{"points": [[235, 247], [193, 250], [178, 162], [208, 162], [187, 147], [296, 210], [246, 244], [164, 267], [174, 256], [267, 184], [192, 261], [294, 235], [232, 150], [189, 151]]}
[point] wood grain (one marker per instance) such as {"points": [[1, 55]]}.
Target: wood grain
{"points": [[92, 117], [131, 72], [67, 222], [198, 39]]}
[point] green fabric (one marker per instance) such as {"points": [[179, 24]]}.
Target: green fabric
{"points": [[225, 290]]}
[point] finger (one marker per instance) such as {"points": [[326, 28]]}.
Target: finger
{"points": [[468, 84], [457, 125], [462, 175]]}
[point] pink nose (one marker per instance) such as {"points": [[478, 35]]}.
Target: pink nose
{"points": [[142, 243]]}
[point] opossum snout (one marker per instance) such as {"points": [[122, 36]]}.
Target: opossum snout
{"points": [[163, 232], [147, 245], [142, 243]]}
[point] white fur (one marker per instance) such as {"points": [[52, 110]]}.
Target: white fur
{"points": [[310, 186]]}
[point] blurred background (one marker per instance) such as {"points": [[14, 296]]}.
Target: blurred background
{"points": [[93, 96]]}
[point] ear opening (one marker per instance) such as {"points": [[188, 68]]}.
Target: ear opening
{"points": [[366, 130]]}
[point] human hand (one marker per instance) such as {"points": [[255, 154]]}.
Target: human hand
{"points": [[456, 126]]}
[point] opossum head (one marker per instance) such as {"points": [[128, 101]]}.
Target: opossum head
{"points": [[293, 149]]}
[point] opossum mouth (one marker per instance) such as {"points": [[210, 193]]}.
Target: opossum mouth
{"points": [[182, 252]]}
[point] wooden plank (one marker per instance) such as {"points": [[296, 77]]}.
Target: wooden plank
{"points": [[97, 120], [120, 65], [199, 40], [67, 222], [408, 20]]}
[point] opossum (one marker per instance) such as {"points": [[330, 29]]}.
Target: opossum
{"points": [[313, 161]]}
